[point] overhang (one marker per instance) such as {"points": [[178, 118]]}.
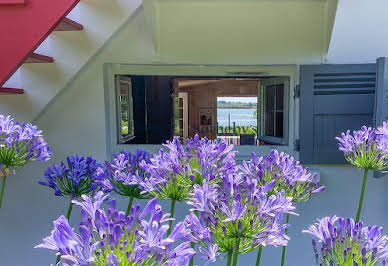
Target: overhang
{"points": [[239, 31]]}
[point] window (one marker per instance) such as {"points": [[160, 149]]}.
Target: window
{"points": [[124, 109], [274, 125], [153, 109]]}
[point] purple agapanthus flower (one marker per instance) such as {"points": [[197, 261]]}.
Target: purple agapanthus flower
{"points": [[21, 143], [174, 170], [109, 237], [366, 148], [344, 242], [74, 178], [296, 181], [238, 209], [124, 175]]}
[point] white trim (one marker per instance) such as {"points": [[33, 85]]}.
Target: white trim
{"points": [[183, 95]]}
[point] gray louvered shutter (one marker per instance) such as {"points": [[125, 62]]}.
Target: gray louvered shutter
{"points": [[381, 107], [333, 98]]}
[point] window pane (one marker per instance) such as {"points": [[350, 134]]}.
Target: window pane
{"points": [[177, 117], [279, 97], [279, 124], [269, 123], [124, 105], [270, 97]]}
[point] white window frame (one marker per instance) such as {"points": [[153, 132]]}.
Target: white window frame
{"points": [[131, 130]]}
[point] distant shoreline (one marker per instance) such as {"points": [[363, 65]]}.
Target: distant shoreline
{"points": [[236, 107]]}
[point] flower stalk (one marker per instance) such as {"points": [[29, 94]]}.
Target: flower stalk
{"points": [[229, 262], [129, 206], [236, 251], [284, 247], [3, 177], [172, 209], [259, 255], [69, 209], [361, 195]]}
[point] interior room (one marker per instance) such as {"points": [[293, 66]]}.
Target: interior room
{"points": [[240, 111]]}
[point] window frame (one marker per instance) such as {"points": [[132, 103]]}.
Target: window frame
{"points": [[121, 139], [262, 110], [198, 71]]}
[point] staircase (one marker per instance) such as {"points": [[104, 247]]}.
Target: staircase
{"points": [[46, 43], [27, 24]]}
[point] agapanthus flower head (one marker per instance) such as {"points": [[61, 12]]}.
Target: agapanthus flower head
{"points": [[124, 174], [174, 170], [366, 148], [237, 211], [290, 176], [341, 241], [73, 178], [109, 237], [21, 143]]}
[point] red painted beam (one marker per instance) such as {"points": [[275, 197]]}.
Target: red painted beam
{"points": [[69, 25], [12, 2], [39, 58], [4, 90], [24, 28]]}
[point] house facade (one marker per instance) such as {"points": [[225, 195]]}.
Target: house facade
{"points": [[118, 84]]}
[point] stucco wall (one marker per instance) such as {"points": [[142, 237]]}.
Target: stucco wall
{"points": [[75, 124]]}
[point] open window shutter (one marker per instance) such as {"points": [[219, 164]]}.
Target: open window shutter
{"points": [[333, 98], [139, 110], [160, 97], [278, 123], [381, 107]]}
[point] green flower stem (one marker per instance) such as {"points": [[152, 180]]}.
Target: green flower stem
{"points": [[172, 216], [3, 177], [236, 250], [69, 209], [284, 247], [259, 256], [129, 206], [361, 195], [192, 245], [230, 254]]}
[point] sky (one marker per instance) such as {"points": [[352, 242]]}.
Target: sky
{"points": [[238, 99]]}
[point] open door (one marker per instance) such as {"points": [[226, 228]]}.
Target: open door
{"points": [[273, 106]]}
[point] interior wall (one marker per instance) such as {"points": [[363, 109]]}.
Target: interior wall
{"points": [[205, 97]]}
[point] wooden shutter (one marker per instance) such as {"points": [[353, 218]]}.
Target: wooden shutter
{"points": [[381, 106], [159, 97], [333, 98], [139, 110]]}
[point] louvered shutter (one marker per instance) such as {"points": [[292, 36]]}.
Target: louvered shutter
{"points": [[381, 107], [333, 98]]}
